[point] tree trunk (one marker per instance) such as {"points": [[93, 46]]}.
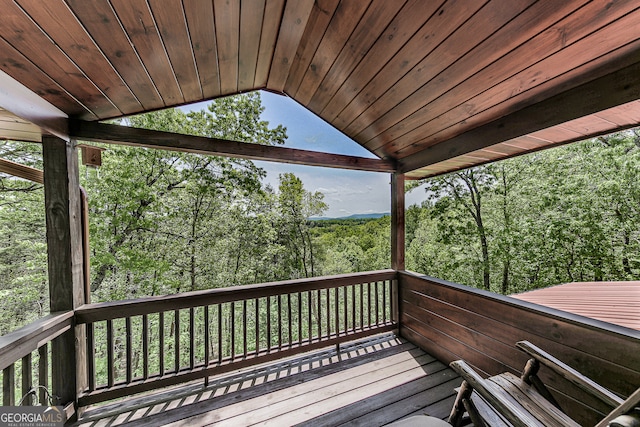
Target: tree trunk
{"points": [[505, 277]]}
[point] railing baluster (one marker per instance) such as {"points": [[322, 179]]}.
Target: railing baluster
{"points": [[268, 324], [319, 315], [369, 304], [244, 328], [145, 346], [9, 385], [361, 306], [207, 342], [219, 334], [110, 366], [328, 313], [176, 340], [207, 337], [279, 321], [337, 308], [232, 332], [289, 318], [384, 301], [192, 337], [257, 302], [309, 316], [43, 371], [346, 309], [161, 343], [27, 380], [300, 318], [128, 349], [91, 360], [377, 303], [353, 307]]}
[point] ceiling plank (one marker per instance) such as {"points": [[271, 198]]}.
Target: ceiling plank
{"points": [[78, 45], [141, 28], [251, 19], [172, 28], [433, 32], [401, 29], [45, 54], [294, 21], [19, 70], [22, 102], [116, 134], [323, 11], [575, 55], [628, 114], [366, 34], [605, 92], [271, 24], [342, 25], [227, 15], [103, 26], [203, 42], [14, 128], [399, 103], [517, 35]]}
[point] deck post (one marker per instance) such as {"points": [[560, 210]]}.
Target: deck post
{"points": [[397, 237], [65, 260], [397, 221]]}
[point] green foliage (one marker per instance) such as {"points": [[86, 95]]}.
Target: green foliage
{"points": [[165, 222], [24, 292], [352, 245], [562, 215]]}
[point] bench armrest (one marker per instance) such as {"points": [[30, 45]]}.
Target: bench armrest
{"points": [[570, 374], [489, 393]]}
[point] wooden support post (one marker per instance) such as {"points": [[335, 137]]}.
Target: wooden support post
{"points": [[397, 221], [397, 239], [66, 277]]}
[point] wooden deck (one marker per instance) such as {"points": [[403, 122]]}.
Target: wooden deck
{"points": [[369, 382]]}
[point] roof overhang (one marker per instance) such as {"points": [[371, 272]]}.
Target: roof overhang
{"points": [[430, 86]]}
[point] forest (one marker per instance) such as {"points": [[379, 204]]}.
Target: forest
{"points": [[167, 222]]}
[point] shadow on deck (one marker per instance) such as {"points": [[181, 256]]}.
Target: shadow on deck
{"points": [[369, 382]]}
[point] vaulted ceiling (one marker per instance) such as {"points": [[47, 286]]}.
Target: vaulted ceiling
{"points": [[432, 86]]}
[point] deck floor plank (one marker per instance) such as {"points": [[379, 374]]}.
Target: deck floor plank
{"points": [[320, 397], [369, 382], [418, 396], [308, 393]]}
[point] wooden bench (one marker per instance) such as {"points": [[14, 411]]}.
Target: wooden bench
{"points": [[508, 400]]}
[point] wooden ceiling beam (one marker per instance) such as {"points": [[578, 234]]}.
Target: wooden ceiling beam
{"points": [[116, 134], [24, 103], [611, 90]]}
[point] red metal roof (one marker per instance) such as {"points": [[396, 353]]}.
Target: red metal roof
{"points": [[613, 302]]}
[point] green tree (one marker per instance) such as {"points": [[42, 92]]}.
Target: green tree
{"points": [[467, 188], [159, 218], [296, 206], [24, 293]]}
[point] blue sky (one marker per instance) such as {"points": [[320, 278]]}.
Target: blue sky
{"points": [[346, 192]]}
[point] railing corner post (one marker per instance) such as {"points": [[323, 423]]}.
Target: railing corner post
{"points": [[65, 255]]}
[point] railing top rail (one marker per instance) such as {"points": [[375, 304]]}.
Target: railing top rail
{"points": [[23, 341], [549, 312], [117, 309]]}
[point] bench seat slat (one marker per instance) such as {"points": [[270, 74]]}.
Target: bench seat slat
{"points": [[530, 400]]}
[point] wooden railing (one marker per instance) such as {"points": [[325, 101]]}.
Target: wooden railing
{"points": [[149, 343], [452, 322], [21, 351]]}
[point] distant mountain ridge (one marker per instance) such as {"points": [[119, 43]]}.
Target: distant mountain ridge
{"points": [[354, 216]]}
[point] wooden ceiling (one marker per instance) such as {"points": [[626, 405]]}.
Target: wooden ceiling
{"points": [[431, 85]]}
